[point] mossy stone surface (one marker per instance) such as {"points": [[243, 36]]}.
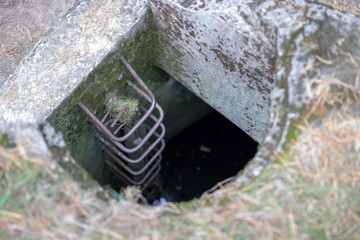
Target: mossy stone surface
{"points": [[4, 140], [75, 125], [138, 47], [129, 107]]}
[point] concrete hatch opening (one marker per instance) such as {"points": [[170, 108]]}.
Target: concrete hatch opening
{"points": [[126, 139], [238, 92], [264, 65]]}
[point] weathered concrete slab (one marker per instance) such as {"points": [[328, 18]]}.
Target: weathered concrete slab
{"points": [[38, 142], [317, 55], [22, 24], [65, 56], [274, 52], [214, 51], [34, 140]]}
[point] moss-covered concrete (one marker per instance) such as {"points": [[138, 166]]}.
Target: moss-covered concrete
{"points": [[4, 140], [238, 75], [139, 49], [210, 52], [76, 127]]}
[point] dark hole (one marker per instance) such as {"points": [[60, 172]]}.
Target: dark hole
{"points": [[202, 147], [194, 160], [207, 152]]}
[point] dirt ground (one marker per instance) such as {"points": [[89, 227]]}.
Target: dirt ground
{"points": [[22, 24]]}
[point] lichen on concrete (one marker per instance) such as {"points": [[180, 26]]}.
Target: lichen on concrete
{"points": [[256, 62], [212, 50], [73, 122], [275, 53], [63, 58], [310, 52], [23, 24]]}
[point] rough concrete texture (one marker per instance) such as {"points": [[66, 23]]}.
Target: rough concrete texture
{"points": [[34, 140], [65, 56], [257, 62], [300, 45], [317, 54], [22, 24], [223, 59], [37, 141]]}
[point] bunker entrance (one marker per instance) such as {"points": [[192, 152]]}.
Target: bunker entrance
{"points": [[203, 147]]}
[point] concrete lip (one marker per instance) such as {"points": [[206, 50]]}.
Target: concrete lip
{"points": [[244, 59]]}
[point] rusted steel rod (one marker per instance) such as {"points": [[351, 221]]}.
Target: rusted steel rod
{"points": [[142, 170], [152, 97], [119, 128], [107, 114], [103, 128], [140, 182], [138, 79], [113, 145], [139, 159], [128, 181], [148, 135], [138, 123], [152, 177], [118, 116], [109, 134]]}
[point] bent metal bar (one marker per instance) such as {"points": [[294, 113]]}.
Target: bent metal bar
{"points": [[145, 167]]}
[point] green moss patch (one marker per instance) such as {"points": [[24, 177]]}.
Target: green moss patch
{"points": [[4, 140], [129, 107], [138, 49]]}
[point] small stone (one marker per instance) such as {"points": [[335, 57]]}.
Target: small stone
{"points": [[205, 149]]}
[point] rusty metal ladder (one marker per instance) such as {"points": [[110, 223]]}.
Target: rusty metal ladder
{"points": [[139, 163]]}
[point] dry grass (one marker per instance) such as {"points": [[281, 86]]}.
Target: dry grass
{"points": [[311, 192], [351, 6]]}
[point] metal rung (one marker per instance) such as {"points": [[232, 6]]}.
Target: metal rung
{"points": [[146, 149]]}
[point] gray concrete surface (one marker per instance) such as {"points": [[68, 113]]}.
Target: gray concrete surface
{"points": [[259, 63], [65, 56], [222, 58], [288, 50], [22, 24]]}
